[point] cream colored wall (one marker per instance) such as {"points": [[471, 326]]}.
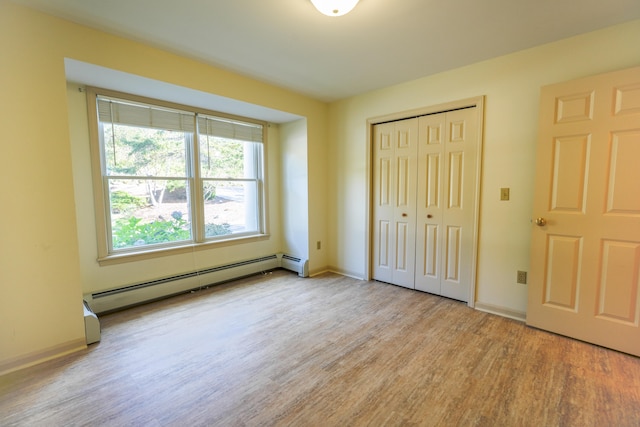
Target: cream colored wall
{"points": [[304, 194], [294, 190], [42, 270], [317, 168], [511, 85]]}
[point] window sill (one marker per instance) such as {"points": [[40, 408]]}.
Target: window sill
{"points": [[121, 258]]}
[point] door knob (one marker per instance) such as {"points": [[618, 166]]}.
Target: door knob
{"points": [[541, 222], [404, 214], [429, 216]]}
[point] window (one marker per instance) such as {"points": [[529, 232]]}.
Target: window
{"points": [[169, 176]]}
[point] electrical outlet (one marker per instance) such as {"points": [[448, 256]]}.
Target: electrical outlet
{"points": [[504, 194], [522, 277], [318, 245]]}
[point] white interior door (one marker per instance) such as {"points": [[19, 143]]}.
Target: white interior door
{"points": [[585, 252], [394, 200], [446, 203]]}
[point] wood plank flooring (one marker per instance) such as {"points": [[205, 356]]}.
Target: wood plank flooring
{"points": [[276, 350]]}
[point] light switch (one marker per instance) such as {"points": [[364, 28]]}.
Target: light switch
{"points": [[504, 194]]}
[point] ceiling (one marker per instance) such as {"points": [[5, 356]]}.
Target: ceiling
{"points": [[380, 43]]}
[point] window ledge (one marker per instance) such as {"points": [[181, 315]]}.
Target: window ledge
{"points": [[124, 257]]}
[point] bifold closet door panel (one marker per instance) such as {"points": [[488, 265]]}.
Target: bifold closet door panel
{"points": [[429, 236], [459, 206], [447, 163], [394, 200]]}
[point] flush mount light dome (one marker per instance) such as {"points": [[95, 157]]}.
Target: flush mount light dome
{"points": [[334, 7]]}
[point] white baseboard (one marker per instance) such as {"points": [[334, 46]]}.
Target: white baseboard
{"points": [[353, 275], [31, 359], [501, 311], [480, 306]]}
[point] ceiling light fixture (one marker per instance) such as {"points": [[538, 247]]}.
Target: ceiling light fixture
{"points": [[334, 7]]}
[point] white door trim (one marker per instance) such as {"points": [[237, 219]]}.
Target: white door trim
{"points": [[477, 102]]}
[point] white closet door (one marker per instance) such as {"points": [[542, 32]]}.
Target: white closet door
{"points": [[424, 202], [446, 200], [429, 214], [458, 226], [394, 199]]}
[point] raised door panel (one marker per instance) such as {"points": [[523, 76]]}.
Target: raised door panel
{"points": [[618, 299], [561, 272], [570, 160], [624, 173]]}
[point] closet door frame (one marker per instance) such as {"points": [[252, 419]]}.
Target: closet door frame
{"points": [[477, 102]]}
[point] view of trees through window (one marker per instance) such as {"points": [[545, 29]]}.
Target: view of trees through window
{"points": [[151, 210], [149, 172]]}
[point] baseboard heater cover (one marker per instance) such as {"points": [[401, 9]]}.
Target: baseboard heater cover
{"points": [[125, 296], [91, 324], [299, 265]]}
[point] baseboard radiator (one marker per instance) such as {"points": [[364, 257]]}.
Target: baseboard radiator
{"points": [[115, 299], [300, 266]]}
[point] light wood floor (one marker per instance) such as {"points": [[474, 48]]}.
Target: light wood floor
{"points": [[324, 351]]}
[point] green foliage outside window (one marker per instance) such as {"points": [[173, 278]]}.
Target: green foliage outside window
{"points": [[130, 231]]}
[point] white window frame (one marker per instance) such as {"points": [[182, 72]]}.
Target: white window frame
{"points": [[106, 254]]}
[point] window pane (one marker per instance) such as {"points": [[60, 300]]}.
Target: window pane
{"points": [[230, 207], [227, 158], [149, 212], [139, 151]]}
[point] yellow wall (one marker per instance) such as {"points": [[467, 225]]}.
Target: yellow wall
{"points": [[39, 305], [41, 270], [511, 85]]}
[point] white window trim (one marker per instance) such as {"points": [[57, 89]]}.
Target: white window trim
{"points": [[106, 256]]}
